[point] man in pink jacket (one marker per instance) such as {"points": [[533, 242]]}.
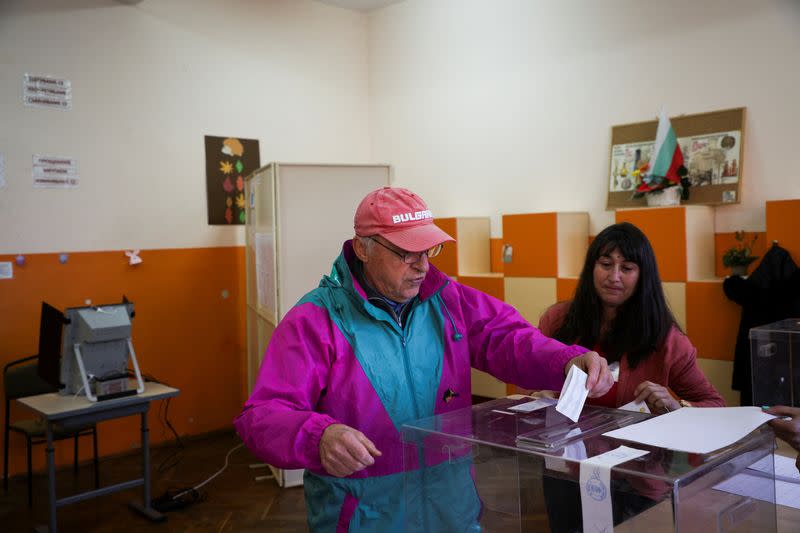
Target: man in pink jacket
{"points": [[385, 339]]}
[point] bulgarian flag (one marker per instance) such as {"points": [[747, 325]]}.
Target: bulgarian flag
{"points": [[666, 161]]}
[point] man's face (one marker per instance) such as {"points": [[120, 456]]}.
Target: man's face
{"points": [[386, 271]]}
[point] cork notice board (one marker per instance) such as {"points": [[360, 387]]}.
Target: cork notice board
{"points": [[712, 150]]}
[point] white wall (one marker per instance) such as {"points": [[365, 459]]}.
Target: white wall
{"points": [[489, 107], [149, 80]]}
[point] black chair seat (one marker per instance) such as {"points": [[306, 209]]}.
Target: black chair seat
{"points": [[21, 379], [35, 428]]}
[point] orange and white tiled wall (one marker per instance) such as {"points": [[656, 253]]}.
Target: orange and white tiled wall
{"points": [[547, 253]]}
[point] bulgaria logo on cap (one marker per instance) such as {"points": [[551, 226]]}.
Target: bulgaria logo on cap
{"points": [[408, 217]]}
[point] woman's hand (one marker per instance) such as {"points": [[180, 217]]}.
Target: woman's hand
{"points": [[787, 428], [657, 398]]}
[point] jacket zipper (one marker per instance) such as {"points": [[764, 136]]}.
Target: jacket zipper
{"points": [[407, 368]]}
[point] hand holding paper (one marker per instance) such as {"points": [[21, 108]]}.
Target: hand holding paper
{"points": [[599, 378]]}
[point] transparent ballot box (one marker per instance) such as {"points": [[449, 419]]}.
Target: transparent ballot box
{"points": [[491, 469], [775, 359]]}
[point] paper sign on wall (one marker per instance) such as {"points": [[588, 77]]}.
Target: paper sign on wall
{"points": [[6, 270], [46, 91], [55, 172]]}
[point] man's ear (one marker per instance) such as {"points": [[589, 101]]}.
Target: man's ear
{"points": [[360, 249]]}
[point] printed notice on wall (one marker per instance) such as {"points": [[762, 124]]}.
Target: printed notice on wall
{"points": [[6, 270], [2, 171], [54, 172], [46, 91]]}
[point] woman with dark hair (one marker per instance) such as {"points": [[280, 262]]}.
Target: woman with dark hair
{"points": [[620, 311]]}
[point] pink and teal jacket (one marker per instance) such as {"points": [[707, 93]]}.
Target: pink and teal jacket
{"points": [[337, 358]]}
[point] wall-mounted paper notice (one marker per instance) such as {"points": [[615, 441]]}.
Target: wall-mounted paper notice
{"points": [[595, 487], [2, 171], [46, 91], [54, 172], [6, 270]]}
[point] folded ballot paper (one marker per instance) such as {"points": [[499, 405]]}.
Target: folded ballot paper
{"points": [[573, 394], [695, 430]]}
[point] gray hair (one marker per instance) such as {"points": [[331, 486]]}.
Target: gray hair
{"points": [[367, 243]]}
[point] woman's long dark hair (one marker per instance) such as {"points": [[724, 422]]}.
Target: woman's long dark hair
{"points": [[642, 322]]}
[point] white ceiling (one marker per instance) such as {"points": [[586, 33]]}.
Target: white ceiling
{"points": [[360, 5]]}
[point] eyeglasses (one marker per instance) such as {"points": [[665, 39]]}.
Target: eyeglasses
{"points": [[410, 258]]}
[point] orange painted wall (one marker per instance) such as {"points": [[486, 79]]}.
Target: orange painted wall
{"points": [[666, 230], [447, 260], [534, 241], [725, 241], [565, 288], [492, 286], [496, 255], [783, 217], [712, 321], [185, 332]]}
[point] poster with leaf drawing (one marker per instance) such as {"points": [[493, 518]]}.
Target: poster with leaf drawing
{"points": [[712, 147], [228, 161]]}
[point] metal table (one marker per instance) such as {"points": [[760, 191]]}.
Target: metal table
{"points": [[75, 411]]}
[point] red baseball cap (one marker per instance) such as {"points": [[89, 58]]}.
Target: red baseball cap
{"points": [[399, 216]]}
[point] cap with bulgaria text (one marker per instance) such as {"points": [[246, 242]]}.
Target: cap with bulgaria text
{"points": [[399, 216]]}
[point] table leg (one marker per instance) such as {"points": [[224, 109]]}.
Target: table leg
{"points": [[146, 460], [51, 477], [145, 507]]}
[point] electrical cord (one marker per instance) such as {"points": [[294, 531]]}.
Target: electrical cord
{"points": [[173, 500], [175, 457], [221, 470]]}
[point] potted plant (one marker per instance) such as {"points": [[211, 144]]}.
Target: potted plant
{"points": [[739, 257]]}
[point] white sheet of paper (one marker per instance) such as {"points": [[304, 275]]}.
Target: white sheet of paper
{"points": [[595, 484], [639, 407], [748, 483], [678, 430], [527, 407], [573, 394], [614, 369]]}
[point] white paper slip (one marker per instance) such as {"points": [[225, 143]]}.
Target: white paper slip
{"points": [[639, 407], [614, 369], [756, 482], [595, 485], [527, 407], [678, 430], [573, 394]]}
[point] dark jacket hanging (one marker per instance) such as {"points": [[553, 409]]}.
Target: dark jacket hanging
{"points": [[771, 293]]}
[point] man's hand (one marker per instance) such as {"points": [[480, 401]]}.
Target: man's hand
{"points": [[657, 398], [788, 430], [600, 379], [344, 450]]}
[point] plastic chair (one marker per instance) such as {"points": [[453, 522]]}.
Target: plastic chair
{"points": [[21, 379]]}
